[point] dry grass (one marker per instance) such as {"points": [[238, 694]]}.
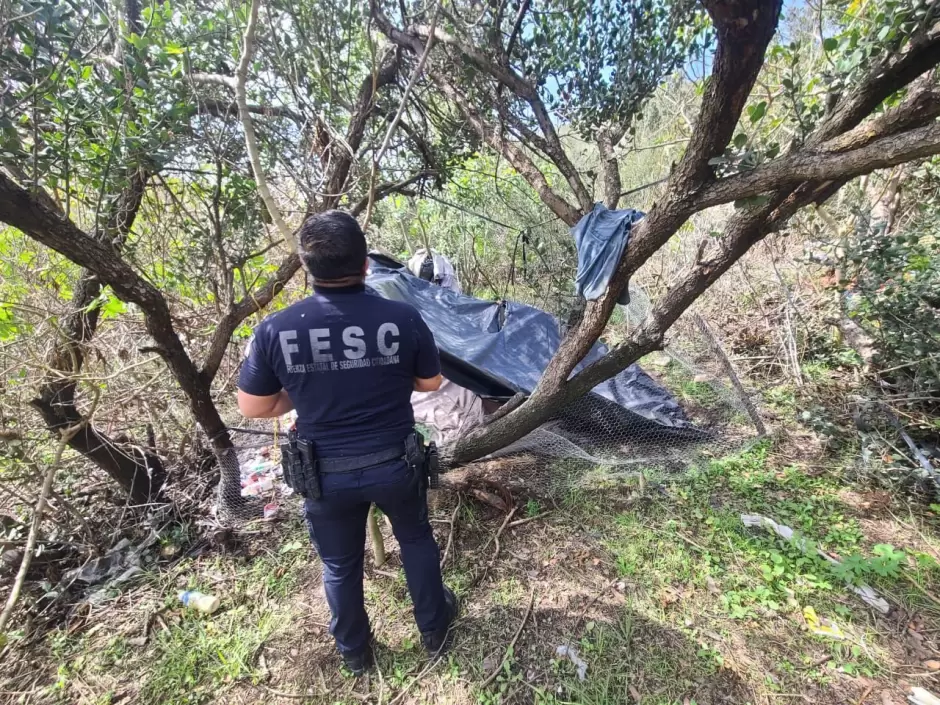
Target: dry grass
{"points": [[662, 592]]}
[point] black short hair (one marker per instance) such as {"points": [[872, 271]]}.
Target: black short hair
{"points": [[332, 245]]}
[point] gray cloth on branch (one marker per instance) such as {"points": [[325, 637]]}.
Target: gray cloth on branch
{"points": [[601, 236]]}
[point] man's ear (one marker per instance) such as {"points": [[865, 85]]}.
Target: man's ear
{"points": [[365, 267]]}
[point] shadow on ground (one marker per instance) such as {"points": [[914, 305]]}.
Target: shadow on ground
{"points": [[628, 658]]}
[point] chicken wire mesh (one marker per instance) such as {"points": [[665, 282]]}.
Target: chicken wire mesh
{"points": [[592, 439]]}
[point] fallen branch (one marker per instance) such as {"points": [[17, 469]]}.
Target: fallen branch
{"points": [[450, 537], [34, 528], [290, 696], [309, 695], [512, 644], [520, 522], [378, 541], [499, 533], [719, 352]]}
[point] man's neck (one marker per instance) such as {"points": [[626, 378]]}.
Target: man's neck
{"points": [[345, 282], [346, 285]]}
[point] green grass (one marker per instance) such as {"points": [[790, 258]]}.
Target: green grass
{"points": [[629, 658], [694, 545], [189, 657], [709, 610], [199, 655], [700, 393]]}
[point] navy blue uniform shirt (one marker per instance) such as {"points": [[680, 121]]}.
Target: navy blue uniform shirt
{"points": [[348, 359]]}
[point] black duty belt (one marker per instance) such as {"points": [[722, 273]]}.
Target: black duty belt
{"points": [[361, 462]]}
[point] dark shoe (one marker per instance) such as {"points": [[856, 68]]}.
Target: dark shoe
{"points": [[359, 663], [437, 642]]}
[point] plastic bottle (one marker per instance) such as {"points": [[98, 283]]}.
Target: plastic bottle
{"points": [[199, 601]]}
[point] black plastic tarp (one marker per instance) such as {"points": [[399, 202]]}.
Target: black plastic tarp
{"points": [[496, 349]]}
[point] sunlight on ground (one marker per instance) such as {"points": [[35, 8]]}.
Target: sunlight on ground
{"points": [[665, 595]]}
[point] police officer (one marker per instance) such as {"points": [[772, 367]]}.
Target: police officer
{"points": [[348, 360]]}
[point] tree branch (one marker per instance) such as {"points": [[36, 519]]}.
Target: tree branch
{"points": [[607, 139], [240, 310], [214, 79], [415, 40], [387, 189], [820, 164], [36, 523], [882, 81], [506, 76], [221, 108], [744, 32], [251, 140], [520, 161], [744, 29], [143, 477], [19, 209], [516, 27], [389, 133], [363, 109]]}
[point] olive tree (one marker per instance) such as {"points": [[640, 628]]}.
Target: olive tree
{"points": [[516, 72], [219, 118]]}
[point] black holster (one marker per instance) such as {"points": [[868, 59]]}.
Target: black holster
{"points": [[432, 466], [423, 461], [299, 461], [302, 467]]}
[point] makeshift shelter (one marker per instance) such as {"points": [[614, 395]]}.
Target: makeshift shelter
{"points": [[497, 349]]}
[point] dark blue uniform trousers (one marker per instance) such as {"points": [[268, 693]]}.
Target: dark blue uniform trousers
{"points": [[337, 523]]}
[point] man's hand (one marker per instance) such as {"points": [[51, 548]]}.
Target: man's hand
{"points": [[255, 407], [428, 385]]}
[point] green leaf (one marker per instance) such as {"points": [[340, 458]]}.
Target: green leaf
{"points": [[113, 307], [756, 112], [830, 44], [740, 140]]}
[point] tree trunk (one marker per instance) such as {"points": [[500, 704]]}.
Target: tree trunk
{"points": [[139, 472]]}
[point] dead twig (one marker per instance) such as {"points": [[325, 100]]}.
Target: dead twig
{"points": [[816, 664], [450, 537], [520, 522], [427, 669], [308, 695], [481, 575], [525, 618], [499, 532], [34, 528]]}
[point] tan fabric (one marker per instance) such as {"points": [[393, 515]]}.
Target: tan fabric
{"points": [[449, 412]]}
